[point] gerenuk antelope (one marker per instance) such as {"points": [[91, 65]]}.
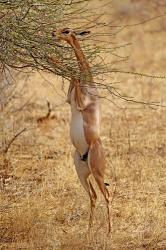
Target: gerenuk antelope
{"points": [[85, 122]]}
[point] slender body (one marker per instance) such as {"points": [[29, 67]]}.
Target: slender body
{"points": [[85, 123]]}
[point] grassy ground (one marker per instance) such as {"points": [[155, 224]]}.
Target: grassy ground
{"points": [[42, 204]]}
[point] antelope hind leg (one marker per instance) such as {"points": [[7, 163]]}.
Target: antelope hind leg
{"points": [[83, 173], [96, 162]]}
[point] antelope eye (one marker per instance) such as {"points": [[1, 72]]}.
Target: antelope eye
{"points": [[66, 32]]}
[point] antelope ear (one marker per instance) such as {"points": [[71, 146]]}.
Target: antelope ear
{"points": [[82, 34]]}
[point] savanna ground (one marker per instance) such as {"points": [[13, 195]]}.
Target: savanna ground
{"points": [[42, 204]]}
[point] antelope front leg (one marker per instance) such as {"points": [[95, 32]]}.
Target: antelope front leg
{"points": [[71, 86], [83, 173]]}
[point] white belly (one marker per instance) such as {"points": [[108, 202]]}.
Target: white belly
{"points": [[77, 129]]}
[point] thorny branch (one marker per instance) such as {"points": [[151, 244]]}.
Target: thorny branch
{"points": [[26, 41]]}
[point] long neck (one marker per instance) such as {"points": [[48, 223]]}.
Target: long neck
{"points": [[86, 75]]}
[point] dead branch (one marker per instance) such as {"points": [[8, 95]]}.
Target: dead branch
{"points": [[10, 142]]}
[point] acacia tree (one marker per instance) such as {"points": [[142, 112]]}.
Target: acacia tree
{"points": [[25, 34], [26, 41]]}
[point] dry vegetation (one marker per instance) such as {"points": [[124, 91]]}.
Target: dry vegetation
{"points": [[42, 204]]}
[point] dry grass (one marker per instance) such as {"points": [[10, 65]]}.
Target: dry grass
{"points": [[42, 204]]}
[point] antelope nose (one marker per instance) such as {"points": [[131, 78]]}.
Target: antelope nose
{"points": [[53, 34]]}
